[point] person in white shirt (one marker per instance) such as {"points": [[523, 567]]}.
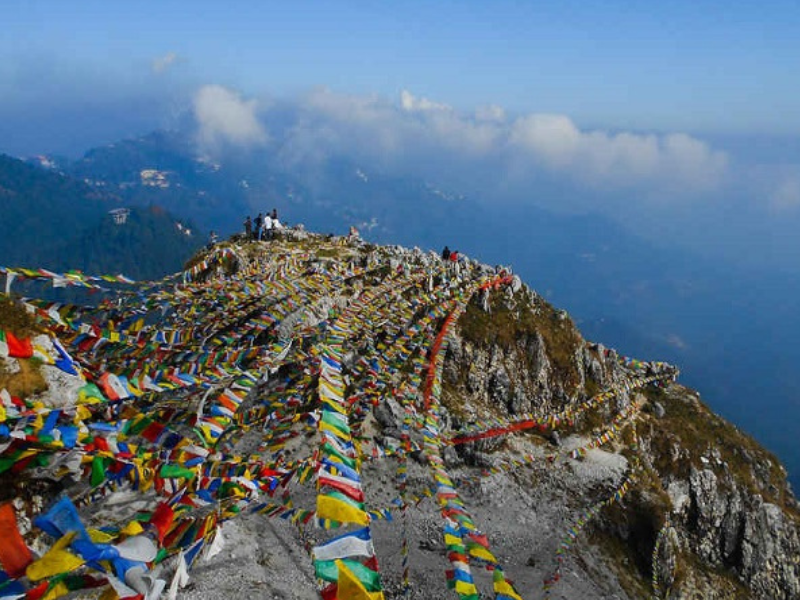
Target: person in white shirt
{"points": [[268, 224]]}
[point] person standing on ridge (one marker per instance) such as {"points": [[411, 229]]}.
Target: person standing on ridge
{"points": [[276, 227], [248, 228], [454, 263], [258, 223], [268, 227], [446, 253]]}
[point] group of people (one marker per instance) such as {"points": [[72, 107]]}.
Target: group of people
{"points": [[263, 227]]}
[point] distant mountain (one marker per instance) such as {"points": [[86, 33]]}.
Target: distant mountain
{"points": [[41, 209], [55, 221], [149, 245], [167, 169]]}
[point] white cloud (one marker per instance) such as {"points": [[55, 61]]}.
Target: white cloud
{"points": [[411, 103], [223, 116], [554, 139], [412, 130], [786, 194], [620, 159], [491, 112], [486, 150], [162, 63]]}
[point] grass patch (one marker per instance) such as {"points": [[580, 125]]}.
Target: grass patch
{"points": [[452, 400], [591, 387], [691, 571], [514, 323], [595, 420], [329, 253], [17, 320], [689, 431], [26, 382]]}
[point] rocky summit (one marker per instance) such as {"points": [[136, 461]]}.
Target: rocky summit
{"points": [[315, 416]]}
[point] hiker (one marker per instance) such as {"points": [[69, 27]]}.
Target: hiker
{"points": [[274, 214], [446, 253], [268, 227], [258, 223], [248, 228], [276, 226], [212, 239], [454, 263]]}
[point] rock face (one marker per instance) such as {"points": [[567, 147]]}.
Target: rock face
{"points": [[735, 527], [730, 527]]}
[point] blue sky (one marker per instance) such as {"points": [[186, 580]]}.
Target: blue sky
{"points": [[693, 65], [678, 119]]}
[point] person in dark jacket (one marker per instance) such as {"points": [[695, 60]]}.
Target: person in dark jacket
{"points": [[446, 253], [258, 223]]}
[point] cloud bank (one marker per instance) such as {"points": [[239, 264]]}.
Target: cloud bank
{"points": [[421, 135], [223, 117]]}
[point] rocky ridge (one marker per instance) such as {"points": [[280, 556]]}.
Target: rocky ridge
{"points": [[705, 511]]}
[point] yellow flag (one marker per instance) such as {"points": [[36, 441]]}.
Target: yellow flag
{"points": [[56, 561], [466, 589], [132, 528], [56, 591], [109, 594], [348, 586], [336, 510], [100, 537], [503, 587], [482, 553]]}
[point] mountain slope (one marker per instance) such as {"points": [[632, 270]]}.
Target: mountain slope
{"points": [[149, 244], [330, 381], [51, 220], [42, 208]]}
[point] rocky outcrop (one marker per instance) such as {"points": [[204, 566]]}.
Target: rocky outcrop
{"points": [[727, 526], [733, 524]]}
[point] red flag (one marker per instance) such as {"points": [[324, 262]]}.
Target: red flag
{"points": [[18, 348], [14, 554], [162, 519]]}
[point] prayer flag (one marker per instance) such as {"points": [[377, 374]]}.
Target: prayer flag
{"points": [[351, 588], [14, 553]]}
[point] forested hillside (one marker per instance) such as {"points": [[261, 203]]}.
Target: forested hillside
{"points": [[53, 221]]}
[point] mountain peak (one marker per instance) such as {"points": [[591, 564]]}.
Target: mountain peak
{"points": [[431, 416]]}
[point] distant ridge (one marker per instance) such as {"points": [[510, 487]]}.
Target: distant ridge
{"points": [[55, 221]]}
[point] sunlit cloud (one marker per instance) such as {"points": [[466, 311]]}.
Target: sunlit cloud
{"points": [[224, 117], [418, 131]]}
